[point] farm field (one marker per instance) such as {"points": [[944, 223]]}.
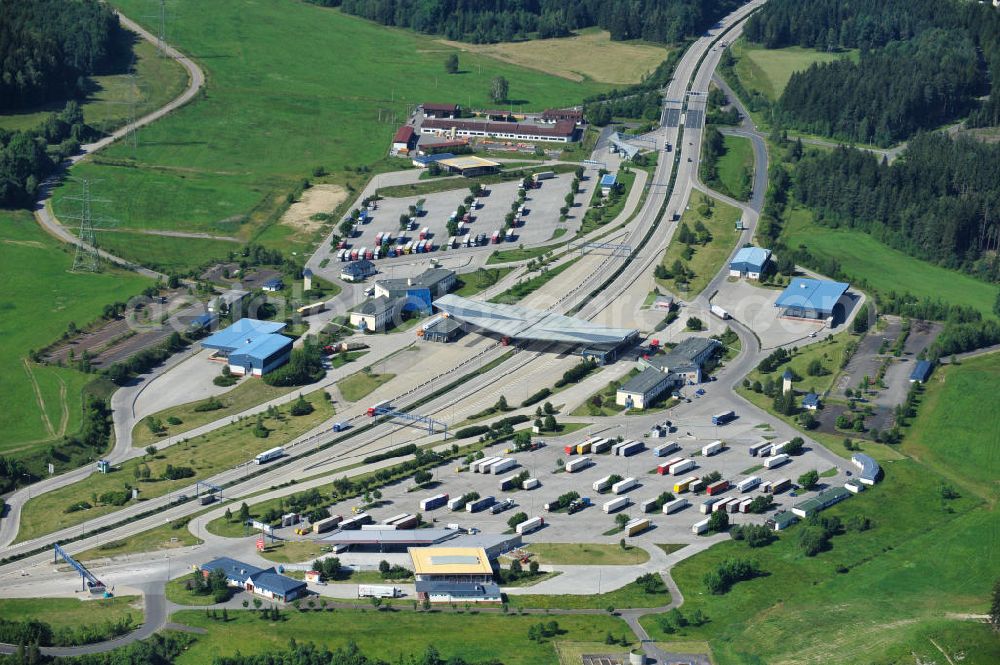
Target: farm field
{"points": [[707, 259], [880, 595], [39, 300], [735, 167], [157, 81], [589, 55], [474, 637], [276, 109], [71, 612], [205, 455], [884, 268]]}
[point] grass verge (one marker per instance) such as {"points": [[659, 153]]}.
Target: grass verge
{"points": [[205, 455], [688, 268], [588, 554]]}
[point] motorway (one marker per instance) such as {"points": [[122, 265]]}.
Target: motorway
{"points": [[691, 81]]}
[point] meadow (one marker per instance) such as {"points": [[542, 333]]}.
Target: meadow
{"points": [[900, 590], [394, 635], [587, 554], [589, 55], [767, 70], [274, 109], [41, 297], [71, 612], [957, 435], [707, 259], [735, 167], [205, 455], [884, 268], [249, 392]]}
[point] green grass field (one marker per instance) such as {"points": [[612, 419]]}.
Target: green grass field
{"points": [[735, 167], [249, 392], [473, 282], [900, 582], [707, 259], [359, 384], [207, 455], [157, 81], [39, 299], [954, 434], [886, 269], [587, 554], [71, 612], [526, 287], [164, 537], [630, 595], [393, 635], [275, 108], [294, 551], [768, 70]]}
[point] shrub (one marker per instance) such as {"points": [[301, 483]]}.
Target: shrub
{"points": [[301, 407], [474, 430], [536, 397]]}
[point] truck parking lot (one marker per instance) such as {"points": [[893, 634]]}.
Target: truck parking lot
{"points": [[734, 463]]}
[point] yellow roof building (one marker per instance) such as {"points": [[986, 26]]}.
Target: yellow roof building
{"points": [[450, 561]]}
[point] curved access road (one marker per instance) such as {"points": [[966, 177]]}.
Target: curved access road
{"points": [[43, 211]]}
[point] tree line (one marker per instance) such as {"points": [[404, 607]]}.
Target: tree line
{"points": [[49, 47], [487, 21], [939, 202], [909, 49]]}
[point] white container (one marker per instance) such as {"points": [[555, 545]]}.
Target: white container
{"points": [[630, 448], [456, 503], [776, 461], [700, 527], [648, 506], [615, 504], [504, 464], [706, 506], [748, 484], [675, 505], [528, 526], [602, 484], [623, 486], [578, 464], [666, 448], [711, 448], [531, 483], [722, 505], [600, 445], [681, 467]]}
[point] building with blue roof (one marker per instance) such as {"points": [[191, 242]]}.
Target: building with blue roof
{"points": [[608, 182], [807, 298], [921, 371], [266, 582], [811, 402], [749, 262], [251, 346]]}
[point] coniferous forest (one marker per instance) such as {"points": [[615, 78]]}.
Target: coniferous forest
{"points": [[923, 63], [49, 47], [484, 21]]}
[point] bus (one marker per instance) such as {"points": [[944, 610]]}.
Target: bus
{"points": [[268, 455]]}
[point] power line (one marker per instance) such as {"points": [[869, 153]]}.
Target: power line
{"points": [[87, 257]]}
